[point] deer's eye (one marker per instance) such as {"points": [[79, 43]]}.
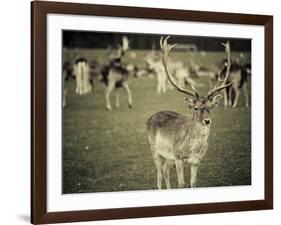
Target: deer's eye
{"points": [[196, 108]]}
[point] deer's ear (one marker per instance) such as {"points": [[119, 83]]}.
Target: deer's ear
{"points": [[215, 100], [190, 102]]}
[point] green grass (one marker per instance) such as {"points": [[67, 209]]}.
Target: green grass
{"points": [[107, 151]]}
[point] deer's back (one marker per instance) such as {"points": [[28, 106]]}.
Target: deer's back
{"points": [[168, 128], [166, 120]]}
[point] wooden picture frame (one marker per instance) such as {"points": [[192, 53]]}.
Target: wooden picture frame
{"points": [[39, 11]]}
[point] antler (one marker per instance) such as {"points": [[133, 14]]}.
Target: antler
{"points": [[166, 48], [223, 84]]}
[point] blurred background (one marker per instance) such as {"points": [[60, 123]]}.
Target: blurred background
{"points": [[84, 39]]}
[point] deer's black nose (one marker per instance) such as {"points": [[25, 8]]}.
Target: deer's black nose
{"points": [[207, 121]]}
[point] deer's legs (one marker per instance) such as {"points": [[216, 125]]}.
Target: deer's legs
{"points": [[231, 95], [81, 83], [159, 83], [226, 95], [164, 86], [193, 171], [128, 90], [108, 90], [211, 86], [78, 83], [64, 97], [117, 103], [158, 163], [180, 172], [245, 89], [167, 85], [237, 94], [166, 170]]}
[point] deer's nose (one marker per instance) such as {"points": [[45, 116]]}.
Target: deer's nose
{"points": [[207, 121]]}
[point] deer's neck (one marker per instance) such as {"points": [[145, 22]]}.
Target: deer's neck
{"points": [[193, 144], [200, 130], [194, 132]]}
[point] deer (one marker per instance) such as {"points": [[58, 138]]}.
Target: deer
{"points": [[115, 75], [178, 71], [176, 138], [155, 64], [239, 77], [81, 70]]}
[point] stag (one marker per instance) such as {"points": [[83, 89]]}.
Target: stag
{"points": [[175, 138]]}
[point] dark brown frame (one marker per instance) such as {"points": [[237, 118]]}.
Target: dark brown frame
{"points": [[39, 11]]}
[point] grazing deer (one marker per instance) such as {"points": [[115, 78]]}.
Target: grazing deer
{"points": [[175, 138], [115, 75]]}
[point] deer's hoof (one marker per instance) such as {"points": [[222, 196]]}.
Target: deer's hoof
{"points": [[130, 106]]}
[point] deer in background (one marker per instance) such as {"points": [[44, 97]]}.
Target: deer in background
{"points": [[115, 75], [175, 138], [178, 71], [155, 64], [81, 71], [238, 76]]}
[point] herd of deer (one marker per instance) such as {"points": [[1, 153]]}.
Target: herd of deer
{"points": [[174, 138], [115, 76]]}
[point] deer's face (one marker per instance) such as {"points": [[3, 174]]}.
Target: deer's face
{"points": [[202, 108]]}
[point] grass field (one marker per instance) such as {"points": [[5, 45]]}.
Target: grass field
{"points": [[108, 150]]}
